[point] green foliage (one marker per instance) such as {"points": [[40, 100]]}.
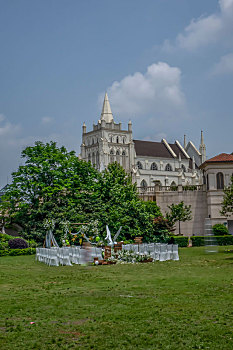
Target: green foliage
{"points": [[180, 240], [198, 241], [220, 229], [179, 212], [55, 184], [16, 252], [227, 204]]}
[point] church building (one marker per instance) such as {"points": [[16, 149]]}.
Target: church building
{"points": [[167, 164]]}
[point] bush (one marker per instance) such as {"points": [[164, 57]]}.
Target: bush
{"points": [[198, 241], [15, 252], [180, 240], [17, 243], [220, 230]]}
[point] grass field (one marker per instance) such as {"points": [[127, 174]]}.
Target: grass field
{"points": [[169, 305]]}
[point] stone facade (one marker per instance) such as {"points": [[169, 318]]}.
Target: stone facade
{"points": [[170, 164]]}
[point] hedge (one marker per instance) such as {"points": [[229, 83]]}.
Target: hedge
{"points": [[15, 252], [180, 240], [198, 241]]}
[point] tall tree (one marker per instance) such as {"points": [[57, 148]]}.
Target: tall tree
{"points": [[179, 212], [53, 183], [227, 204]]}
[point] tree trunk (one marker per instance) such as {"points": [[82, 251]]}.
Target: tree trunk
{"points": [[179, 227]]}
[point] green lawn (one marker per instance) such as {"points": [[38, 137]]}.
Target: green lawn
{"points": [[169, 305]]}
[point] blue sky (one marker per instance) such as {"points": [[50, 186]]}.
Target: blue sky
{"points": [[167, 65]]}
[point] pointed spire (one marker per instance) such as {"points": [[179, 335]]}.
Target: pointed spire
{"points": [[185, 141], [202, 139], [106, 110], [202, 148]]}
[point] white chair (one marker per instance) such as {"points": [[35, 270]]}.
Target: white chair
{"points": [[53, 259], [163, 252], [175, 252], [169, 252], [64, 258], [75, 255], [157, 251]]}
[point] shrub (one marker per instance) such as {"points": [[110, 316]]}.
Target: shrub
{"points": [[15, 252], [220, 230], [198, 241], [17, 243], [180, 240]]}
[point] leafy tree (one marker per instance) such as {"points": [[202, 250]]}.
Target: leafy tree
{"points": [[123, 207], [227, 204], [53, 183], [179, 212]]}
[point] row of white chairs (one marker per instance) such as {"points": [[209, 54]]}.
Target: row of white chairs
{"points": [[67, 255], [158, 251]]}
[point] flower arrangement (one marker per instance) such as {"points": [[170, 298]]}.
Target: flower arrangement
{"points": [[123, 257]]}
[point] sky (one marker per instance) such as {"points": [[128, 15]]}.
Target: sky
{"points": [[167, 65]]}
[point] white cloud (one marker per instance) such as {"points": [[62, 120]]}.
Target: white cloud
{"points": [[224, 66], [46, 120], [206, 29], [157, 93]]}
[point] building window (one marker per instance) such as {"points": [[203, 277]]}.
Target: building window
{"points": [[220, 181], [117, 139], [97, 159], [111, 139], [89, 157], [207, 182], [118, 156], [93, 158], [183, 168], [139, 165], [154, 166], [144, 185], [168, 167], [111, 156], [124, 159], [123, 140]]}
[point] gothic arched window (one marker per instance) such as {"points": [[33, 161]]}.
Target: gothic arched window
{"points": [[183, 168], [93, 158], [123, 159], [89, 157], [111, 156], [97, 158], [168, 167], [118, 156], [154, 166], [220, 181], [123, 140], [139, 165], [117, 139], [144, 185]]}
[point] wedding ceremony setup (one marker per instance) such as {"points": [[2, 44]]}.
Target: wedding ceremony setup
{"points": [[129, 253]]}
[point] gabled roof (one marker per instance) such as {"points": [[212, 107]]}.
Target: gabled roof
{"points": [[220, 158], [156, 149]]}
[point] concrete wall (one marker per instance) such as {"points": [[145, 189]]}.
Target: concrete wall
{"points": [[198, 201]]}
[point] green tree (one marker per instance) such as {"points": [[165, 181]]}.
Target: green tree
{"points": [[53, 183], [227, 204], [179, 212], [123, 207]]}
